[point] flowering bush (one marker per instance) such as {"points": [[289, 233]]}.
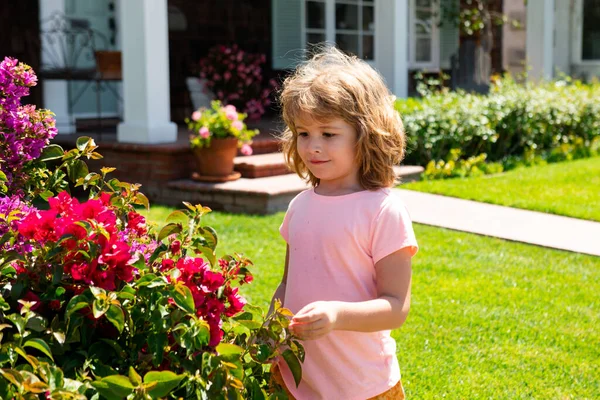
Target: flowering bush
{"points": [[221, 123], [97, 304], [24, 131], [235, 77]]}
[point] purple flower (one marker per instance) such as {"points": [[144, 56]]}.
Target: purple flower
{"points": [[24, 131]]}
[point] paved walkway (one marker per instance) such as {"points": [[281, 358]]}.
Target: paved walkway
{"points": [[532, 227]]}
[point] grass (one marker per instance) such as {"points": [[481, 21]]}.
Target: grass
{"points": [[489, 318], [568, 188]]}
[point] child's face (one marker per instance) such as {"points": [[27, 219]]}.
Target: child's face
{"points": [[328, 149]]}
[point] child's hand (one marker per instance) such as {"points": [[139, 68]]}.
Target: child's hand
{"points": [[314, 320]]}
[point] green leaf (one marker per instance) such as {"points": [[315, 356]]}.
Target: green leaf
{"points": [[77, 169], [98, 293], [294, 364], [71, 308], [106, 170], [12, 376], [211, 236], [183, 298], [178, 216], [46, 195], [166, 381], [263, 352], [18, 321], [208, 253], [116, 317], [249, 324], [40, 345], [228, 349], [141, 199], [134, 377], [99, 309], [82, 142], [3, 177], [169, 229], [52, 152], [114, 387], [156, 344]]}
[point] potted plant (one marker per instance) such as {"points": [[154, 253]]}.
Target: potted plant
{"points": [[216, 133]]}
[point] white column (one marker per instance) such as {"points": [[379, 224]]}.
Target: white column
{"points": [[540, 38], [400, 52], [144, 34], [55, 93]]}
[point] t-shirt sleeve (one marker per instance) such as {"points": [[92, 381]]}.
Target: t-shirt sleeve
{"points": [[284, 228], [285, 225], [392, 230]]}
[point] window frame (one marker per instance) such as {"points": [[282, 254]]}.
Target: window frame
{"points": [[434, 64], [577, 36], [330, 30]]}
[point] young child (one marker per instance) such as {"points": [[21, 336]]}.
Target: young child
{"points": [[349, 238]]}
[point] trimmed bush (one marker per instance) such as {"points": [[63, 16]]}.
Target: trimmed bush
{"points": [[512, 120]]}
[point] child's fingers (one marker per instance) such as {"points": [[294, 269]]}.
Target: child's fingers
{"points": [[305, 318]]}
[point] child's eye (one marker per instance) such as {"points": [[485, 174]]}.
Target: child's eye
{"points": [[302, 134], [328, 135]]}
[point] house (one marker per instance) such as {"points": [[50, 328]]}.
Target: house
{"points": [[563, 36], [160, 41]]}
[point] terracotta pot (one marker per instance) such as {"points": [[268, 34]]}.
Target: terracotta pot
{"points": [[216, 160]]}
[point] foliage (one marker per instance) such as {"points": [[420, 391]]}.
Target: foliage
{"points": [[97, 304], [511, 123], [455, 167], [473, 16], [219, 122], [235, 77]]}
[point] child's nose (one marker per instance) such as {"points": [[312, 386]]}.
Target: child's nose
{"points": [[315, 146]]}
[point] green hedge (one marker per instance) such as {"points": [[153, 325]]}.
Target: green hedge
{"points": [[510, 121]]}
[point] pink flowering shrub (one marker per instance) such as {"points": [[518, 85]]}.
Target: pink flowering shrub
{"points": [[24, 131], [235, 77], [220, 122], [95, 303]]}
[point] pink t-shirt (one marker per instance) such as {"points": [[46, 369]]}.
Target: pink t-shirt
{"points": [[334, 244]]}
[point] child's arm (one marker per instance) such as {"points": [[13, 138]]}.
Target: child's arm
{"points": [[280, 292], [388, 311]]}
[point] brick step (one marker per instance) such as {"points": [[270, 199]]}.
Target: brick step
{"points": [[264, 145], [251, 196], [261, 166]]}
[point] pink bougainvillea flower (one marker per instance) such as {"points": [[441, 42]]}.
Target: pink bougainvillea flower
{"points": [[137, 223], [175, 246], [196, 115], [216, 334], [246, 150], [211, 281], [63, 203], [236, 302], [204, 132]]}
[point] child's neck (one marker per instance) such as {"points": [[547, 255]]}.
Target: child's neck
{"points": [[330, 189]]}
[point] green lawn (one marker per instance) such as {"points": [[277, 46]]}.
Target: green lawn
{"points": [[490, 319], [567, 188]]}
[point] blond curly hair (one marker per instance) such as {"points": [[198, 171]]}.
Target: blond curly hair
{"points": [[333, 85]]}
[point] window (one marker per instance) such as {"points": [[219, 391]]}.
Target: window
{"points": [[590, 34], [348, 23], [424, 47]]}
